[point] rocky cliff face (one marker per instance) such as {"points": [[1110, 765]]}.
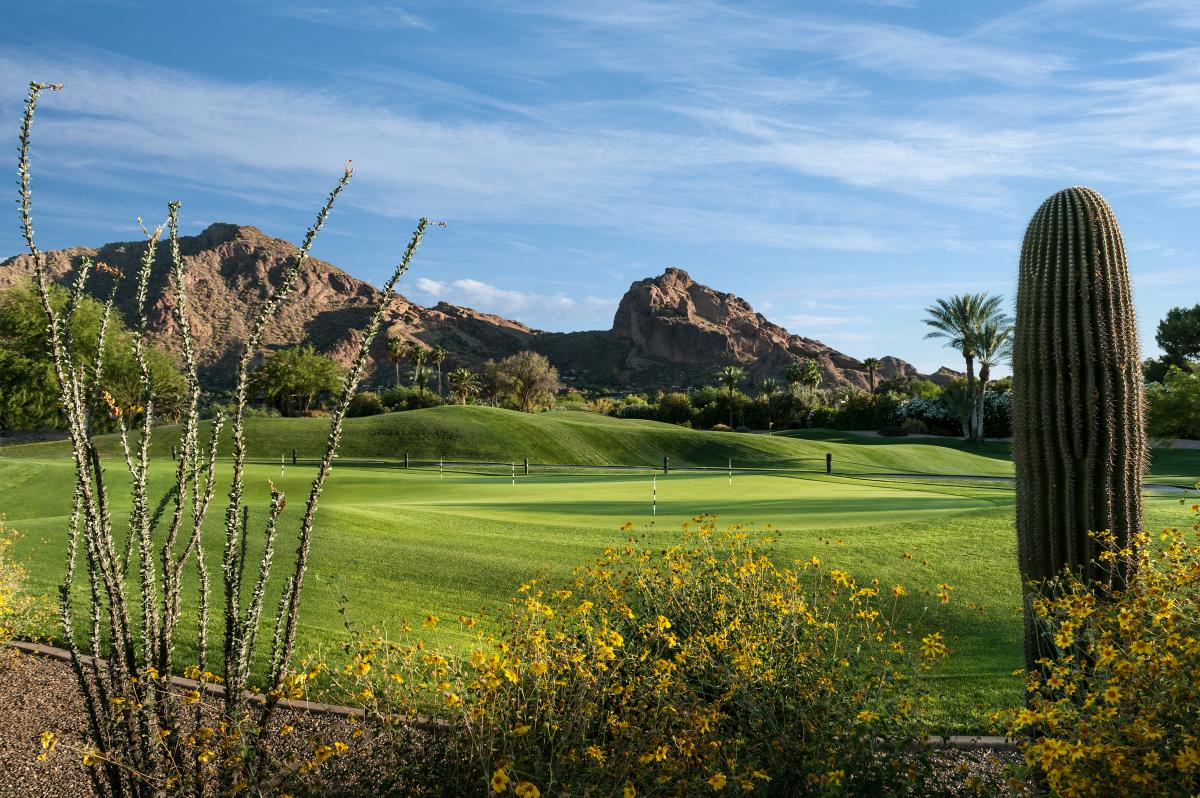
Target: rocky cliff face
{"points": [[668, 330], [230, 270], [690, 328]]}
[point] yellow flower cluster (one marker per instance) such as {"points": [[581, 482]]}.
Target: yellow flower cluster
{"points": [[704, 667], [1115, 709]]}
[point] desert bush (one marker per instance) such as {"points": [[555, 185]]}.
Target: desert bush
{"points": [[640, 410], [675, 408], [700, 667], [604, 405], [403, 397], [721, 428], [1114, 709], [365, 403], [22, 614]]}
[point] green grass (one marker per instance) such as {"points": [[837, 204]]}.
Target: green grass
{"points": [[488, 433], [408, 543]]}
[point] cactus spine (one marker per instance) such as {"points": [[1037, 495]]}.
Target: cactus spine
{"points": [[1078, 421]]}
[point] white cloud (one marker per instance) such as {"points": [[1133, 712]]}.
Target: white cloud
{"points": [[799, 322], [379, 16], [534, 309]]}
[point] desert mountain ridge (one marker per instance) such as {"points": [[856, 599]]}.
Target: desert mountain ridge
{"points": [[668, 330]]}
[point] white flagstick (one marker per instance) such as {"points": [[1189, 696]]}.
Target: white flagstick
{"points": [[281, 465], [654, 494], [731, 471], [514, 465], [440, 468]]}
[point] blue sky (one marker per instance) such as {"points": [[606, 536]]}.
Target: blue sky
{"points": [[839, 165]]}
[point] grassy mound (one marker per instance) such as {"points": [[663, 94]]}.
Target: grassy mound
{"points": [[573, 437]]}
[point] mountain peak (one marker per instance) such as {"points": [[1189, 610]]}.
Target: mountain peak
{"points": [[668, 330]]}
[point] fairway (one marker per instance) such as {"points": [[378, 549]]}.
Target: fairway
{"points": [[403, 544]]}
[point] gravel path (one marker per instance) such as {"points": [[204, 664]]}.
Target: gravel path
{"points": [[38, 695]]}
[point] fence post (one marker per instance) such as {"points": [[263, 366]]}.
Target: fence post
{"points": [[293, 456], [526, 466], [828, 463], [406, 461], [666, 463]]}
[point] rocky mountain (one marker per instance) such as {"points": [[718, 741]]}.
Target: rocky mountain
{"points": [[668, 330]]}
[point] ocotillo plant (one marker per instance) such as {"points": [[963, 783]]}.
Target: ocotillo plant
{"points": [[1079, 435], [135, 744]]}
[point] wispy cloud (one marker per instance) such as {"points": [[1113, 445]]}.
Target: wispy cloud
{"points": [[378, 16], [538, 310]]}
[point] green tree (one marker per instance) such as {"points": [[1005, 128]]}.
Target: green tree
{"points": [[872, 365], [292, 379], [811, 377], [959, 400], [525, 381], [794, 374], [993, 347], [959, 320], [731, 377], [419, 356], [397, 349], [437, 356], [28, 387], [463, 384], [1178, 334], [1174, 406], [767, 389]]}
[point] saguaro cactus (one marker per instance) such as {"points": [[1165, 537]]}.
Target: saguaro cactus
{"points": [[1078, 423]]}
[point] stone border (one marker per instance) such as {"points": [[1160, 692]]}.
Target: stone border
{"points": [[976, 742]]}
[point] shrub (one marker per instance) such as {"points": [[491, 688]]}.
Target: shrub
{"points": [[914, 426], [1116, 709], [893, 431], [675, 408], [405, 398], [365, 403], [604, 405], [941, 419], [21, 613], [722, 428], [699, 667], [639, 410]]}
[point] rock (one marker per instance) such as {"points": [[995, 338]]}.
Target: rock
{"points": [[668, 330]]}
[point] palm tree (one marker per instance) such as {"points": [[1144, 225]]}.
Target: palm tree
{"points": [[397, 350], [959, 320], [437, 357], [731, 377], [959, 400], [794, 374], [994, 346], [811, 376], [420, 356], [766, 389], [463, 384], [872, 365]]}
